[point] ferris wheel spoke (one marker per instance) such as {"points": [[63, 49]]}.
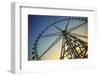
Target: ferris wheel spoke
{"points": [[78, 35], [58, 39], [67, 24], [52, 34], [58, 28], [74, 28]]}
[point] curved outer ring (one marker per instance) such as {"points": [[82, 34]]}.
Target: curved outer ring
{"points": [[36, 41]]}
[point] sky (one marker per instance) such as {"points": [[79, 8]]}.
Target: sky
{"points": [[37, 23]]}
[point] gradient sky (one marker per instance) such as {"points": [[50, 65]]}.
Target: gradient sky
{"points": [[36, 24]]}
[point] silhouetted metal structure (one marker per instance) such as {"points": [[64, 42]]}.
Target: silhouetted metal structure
{"points": [[72, 46]]}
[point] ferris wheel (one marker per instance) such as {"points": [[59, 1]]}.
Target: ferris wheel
{"points": [[63, 39]]}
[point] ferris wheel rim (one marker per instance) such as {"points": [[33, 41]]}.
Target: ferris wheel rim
{"points": [[61, 20]]}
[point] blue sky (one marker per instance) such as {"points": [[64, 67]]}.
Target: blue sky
{"points": [[36, 24]]}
